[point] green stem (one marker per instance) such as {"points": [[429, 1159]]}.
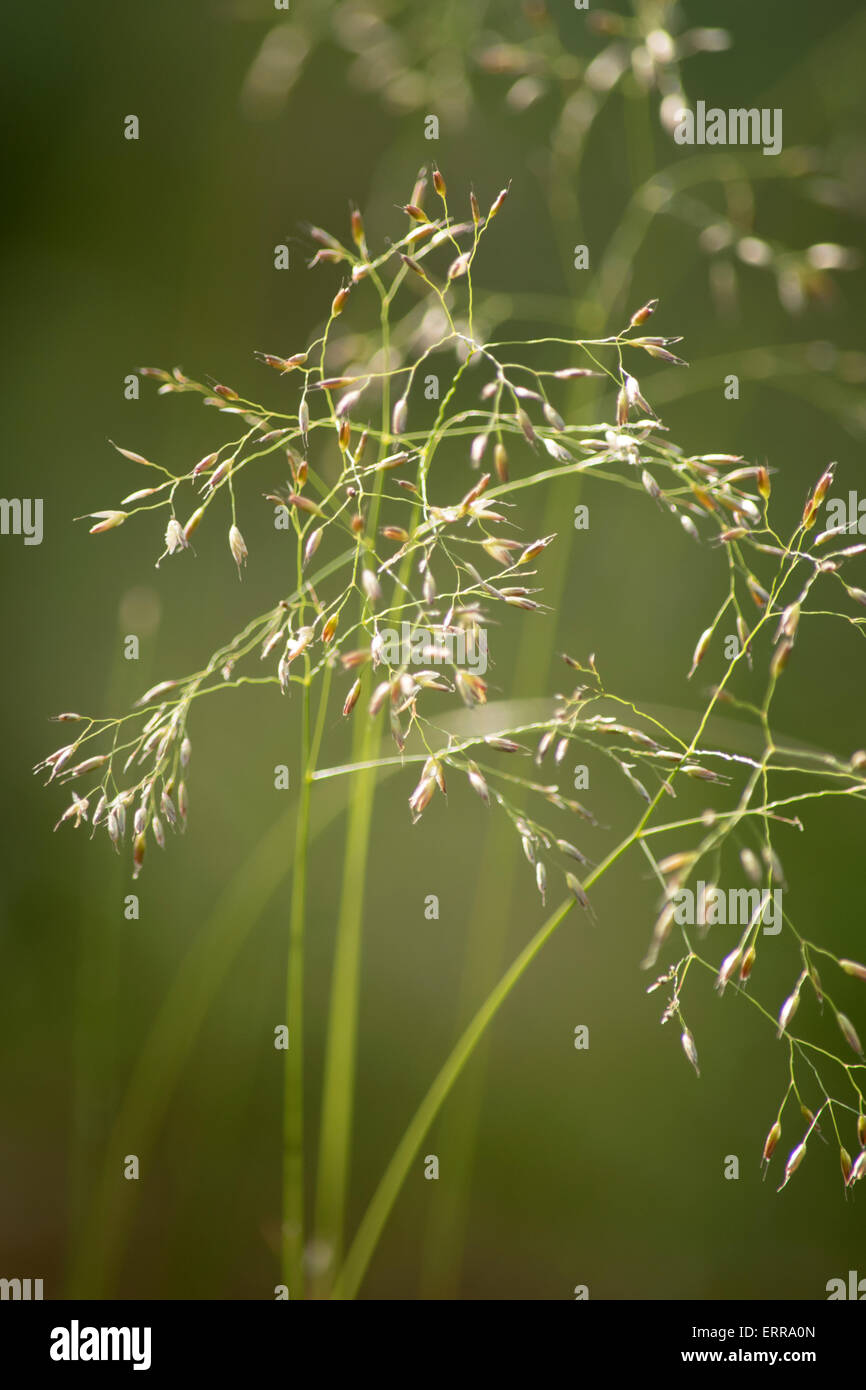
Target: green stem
{"points": [[341, 1047], [338, 1087], [395, 1174], [292, 1244]]}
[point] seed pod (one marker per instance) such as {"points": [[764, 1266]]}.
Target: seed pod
{"points": [[314, 540], [479, 444], [158, 832], [780, 658], [459, 266], [471, 688], [651, 485], [578, 893], [553, 416], [727, 969], [701, 650], [237, 546], [845, 1163], [642, 314], [421, 797], [182, 801], [478, 783], [138, 849], [746, 965], [763, 479], [823, 484], [859, 1169], [543, 744], [371, 586], [500, 462], [771, 1141], [690, 1050], [399, 416], [329, 628], [395, 533], [787, 1011], [380, 695], [439, 184], [497, 202], [795, 1158], [339, 300], [572, 851], [298, 644], [476, 211], [751, 866], [413, 265], [174, 536], [185, 752], [849, 1033], [304, 418], [193, 523], [352, 698], [541, 880]]}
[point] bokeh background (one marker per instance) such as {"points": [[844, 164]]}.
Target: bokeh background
{"points": [[558, 1167]]}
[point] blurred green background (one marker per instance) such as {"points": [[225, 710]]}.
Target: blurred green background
{"points": [[602, 1168]]}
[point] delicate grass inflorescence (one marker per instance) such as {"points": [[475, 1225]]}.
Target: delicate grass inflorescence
{"points": [[349, 467]]}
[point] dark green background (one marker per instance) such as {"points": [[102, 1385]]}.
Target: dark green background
{"points": [[604, 1167]]}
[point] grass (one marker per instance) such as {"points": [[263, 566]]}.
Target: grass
{"points": [[380, 540]]}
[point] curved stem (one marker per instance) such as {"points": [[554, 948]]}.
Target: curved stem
{"points": [[379, 1210]]}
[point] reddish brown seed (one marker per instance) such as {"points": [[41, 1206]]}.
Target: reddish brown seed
{"points": [[643, 313], [780, 658], [771, 1141], [352, 697], [497, 202], [439, 184], [339, 301]]}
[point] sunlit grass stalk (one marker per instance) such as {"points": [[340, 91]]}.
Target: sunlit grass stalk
{"points": [[377, 1213], [292, 1232], [338, 1086]]}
